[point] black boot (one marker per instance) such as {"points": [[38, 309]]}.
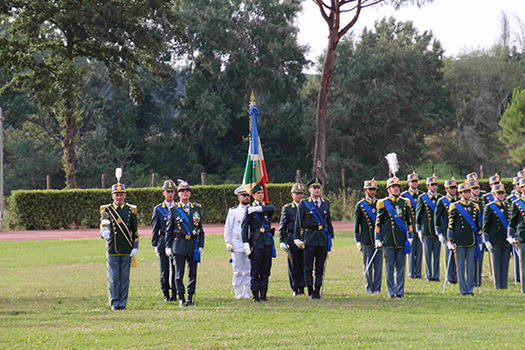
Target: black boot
{"points": [[317, 292], [182, 300], [311, 294], [190, 299], [256, 296], [173, 295], [263, 295], [166, 295], [301, 291]]}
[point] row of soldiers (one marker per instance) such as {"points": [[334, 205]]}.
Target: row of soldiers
{"points": [[383, 227], [465, 220], [305, 234]]}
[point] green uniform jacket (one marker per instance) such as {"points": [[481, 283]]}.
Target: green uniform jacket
{"points": [[517, 220], [492, 228], [459, 229], [415, 196], [441, 215], [124, 230], [391, 235], [512, 197], [363, 223], [425, 219]]}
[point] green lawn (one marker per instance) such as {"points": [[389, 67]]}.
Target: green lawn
{"points": [[53, 295]]}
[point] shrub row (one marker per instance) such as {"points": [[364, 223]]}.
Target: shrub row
{"points": [[55, 209]]}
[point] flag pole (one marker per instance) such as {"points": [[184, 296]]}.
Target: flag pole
{"points": [[252, 163]]}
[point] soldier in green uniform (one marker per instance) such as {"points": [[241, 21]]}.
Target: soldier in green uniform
{"points": [[478, 198], [158, 241], [118, 226], [494, 229], [394, 231], [516, 230], [462, 234], [415, 258], [426, 229], [286, 238], [365, 215], [185, 241], [314, 233], [441, 223]]}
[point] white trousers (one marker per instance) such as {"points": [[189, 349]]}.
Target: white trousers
{"points": [[241, 275]]}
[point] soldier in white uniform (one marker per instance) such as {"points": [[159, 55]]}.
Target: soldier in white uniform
{"points": [[233, 238]]}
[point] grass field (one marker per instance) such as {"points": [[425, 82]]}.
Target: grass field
{"points": [[53, 295]]}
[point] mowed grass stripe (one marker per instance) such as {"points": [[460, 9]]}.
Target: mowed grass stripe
{"points": [[53, 295]]}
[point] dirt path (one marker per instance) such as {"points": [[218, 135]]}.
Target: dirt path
{"points": [[143, 231]]}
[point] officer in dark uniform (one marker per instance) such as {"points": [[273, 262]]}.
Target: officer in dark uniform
{"points": [[463, 237], [185, 241], [516, 230], [365, 214], [514, 195], [441, 222], [426, 229], [257, 237], [158, 241], [494, 229], [314, 233], [394, 231], [118, 226], [415, 258], [286, 238]]}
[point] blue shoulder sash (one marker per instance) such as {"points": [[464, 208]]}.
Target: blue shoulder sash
{"points": [[399, 223], [162, 211], [500, 215], [408, 196], [429, 202], [368, 210], [267, 230], [320, 221], [471, 222]]}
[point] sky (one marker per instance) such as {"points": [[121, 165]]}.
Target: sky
{"points": [[460, 25]]}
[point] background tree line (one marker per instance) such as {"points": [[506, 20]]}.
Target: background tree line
{"points": [[179, 105]]}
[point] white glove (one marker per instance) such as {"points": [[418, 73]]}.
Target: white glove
{"points": [[247, 248], [201, 249], [451, 246], [359, 246], [229, 247], [169, 252], [489, 246], [105, 233], [298, 243], [254, 209], [134, 252], [378, 244], [410, 240], [440, 237], [420, 235], [512, 240], [284, 246], [157, 251]]}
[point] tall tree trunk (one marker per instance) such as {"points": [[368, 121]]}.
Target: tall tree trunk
{"points": [[322, 104], [69, 147]]}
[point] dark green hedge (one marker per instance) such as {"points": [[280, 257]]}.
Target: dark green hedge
{"points": [[55, 209]]}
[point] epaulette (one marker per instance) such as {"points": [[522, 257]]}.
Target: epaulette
{"points": [[197, 205], [133, 208], [380, 203], [452, 206], [158, 205], [406, 200], [232, 208], [287, 205], [476, 205], [360, 201], [325, 199], [104, 207]]}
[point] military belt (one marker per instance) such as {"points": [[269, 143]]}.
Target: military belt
{"points": [[315, 227], [186, 237]]}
